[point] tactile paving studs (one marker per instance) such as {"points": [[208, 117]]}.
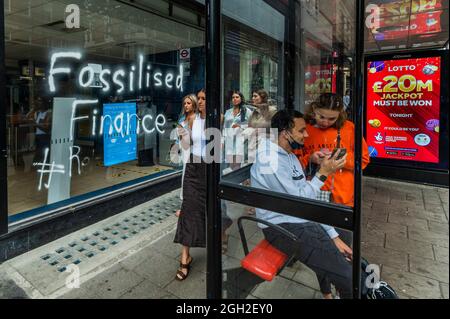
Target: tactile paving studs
{"points": [[90, 245], [53, 262], [62, 269], [90, 254], [46, 257]]}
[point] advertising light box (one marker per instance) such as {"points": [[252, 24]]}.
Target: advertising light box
{"points": [[403, 107]]}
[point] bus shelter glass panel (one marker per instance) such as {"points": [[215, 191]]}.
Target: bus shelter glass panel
{"points": [[268, 68], [300, 261], [287, 130], [94, 92]]}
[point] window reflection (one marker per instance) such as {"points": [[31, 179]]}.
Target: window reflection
{"points": [[93, 107]]}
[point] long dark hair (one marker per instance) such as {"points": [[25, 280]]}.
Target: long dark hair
{"points": [[264, 96], [327, 101], [242, 108]]}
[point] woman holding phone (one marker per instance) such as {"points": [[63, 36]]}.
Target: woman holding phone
{"points": [[329, 129], [184, 125], [235, 121], [191, 227]]}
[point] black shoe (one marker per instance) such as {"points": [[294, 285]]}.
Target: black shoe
{"points": [[381, 291]]}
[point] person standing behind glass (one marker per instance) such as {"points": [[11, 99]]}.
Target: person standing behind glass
{"points": [[191, 228], [263, 112], [259, 97], [41, 116], [187, 116], [328, 128], [234, 123]]}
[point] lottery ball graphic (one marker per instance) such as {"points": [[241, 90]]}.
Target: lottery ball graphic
{"points": [[436, 129], [429, 69], [422, 139], [376, 123], [376, 66], [373, 151], [432, 124]]}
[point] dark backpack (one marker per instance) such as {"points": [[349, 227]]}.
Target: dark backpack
{"points": [[380, 289]]}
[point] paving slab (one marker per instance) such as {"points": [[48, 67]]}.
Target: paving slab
{"points": [[383, 256], [444, 290], [411, 284], [409, 246], [429, 237], [193, 287], [418, 223], [429, 268], [441, 254], [147, 290]]}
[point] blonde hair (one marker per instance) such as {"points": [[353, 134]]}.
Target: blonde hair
{"points": [[194, 101], [327, 101]]}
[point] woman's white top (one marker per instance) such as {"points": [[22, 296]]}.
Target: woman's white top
{"points": [[198, 137], [233, 139]]}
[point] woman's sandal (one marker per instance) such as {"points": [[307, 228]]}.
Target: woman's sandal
{"points": [[180, 276]]}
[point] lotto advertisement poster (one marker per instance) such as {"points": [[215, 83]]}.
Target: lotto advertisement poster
{"points": [[319, 79], [403, 105]]}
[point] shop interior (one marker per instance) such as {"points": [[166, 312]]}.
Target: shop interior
{"points": [[111, 33]]}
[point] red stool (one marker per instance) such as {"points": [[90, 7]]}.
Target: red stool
{"points": [[265, 261]]}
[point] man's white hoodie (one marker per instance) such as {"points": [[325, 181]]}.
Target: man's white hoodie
{"points": [[279, 171]]}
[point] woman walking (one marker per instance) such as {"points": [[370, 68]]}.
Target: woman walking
{"points": [[191, 228], [184, 125]]}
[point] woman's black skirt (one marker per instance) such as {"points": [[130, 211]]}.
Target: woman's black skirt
{"points": [[191, 229]]}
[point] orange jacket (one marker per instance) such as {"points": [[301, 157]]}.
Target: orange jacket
{"points": [[342, 186]]}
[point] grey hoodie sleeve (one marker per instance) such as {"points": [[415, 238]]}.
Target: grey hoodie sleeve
{"points": [[280, 180]]}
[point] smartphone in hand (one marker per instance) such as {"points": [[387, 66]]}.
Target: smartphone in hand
{"points": [[342, 152]]}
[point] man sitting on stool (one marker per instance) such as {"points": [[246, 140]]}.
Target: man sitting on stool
{"points": [[319, 246]]}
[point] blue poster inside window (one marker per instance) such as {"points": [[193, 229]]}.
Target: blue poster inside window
{"points": [[119, 133]]}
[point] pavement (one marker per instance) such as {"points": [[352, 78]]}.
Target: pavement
{"points": [[132, 255]]}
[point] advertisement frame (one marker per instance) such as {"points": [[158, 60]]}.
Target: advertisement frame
{"points": [[441, 167]]}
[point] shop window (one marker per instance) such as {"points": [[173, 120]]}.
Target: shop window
{"points": [[92, 109]]}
